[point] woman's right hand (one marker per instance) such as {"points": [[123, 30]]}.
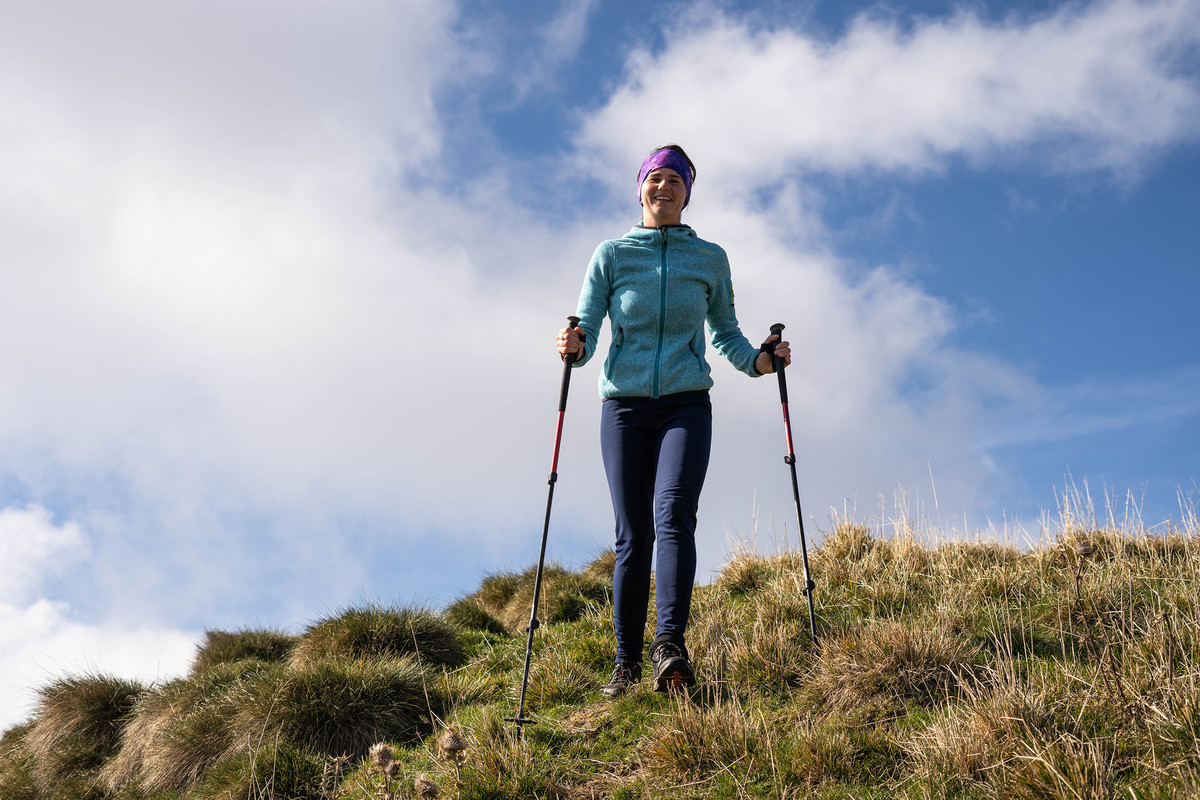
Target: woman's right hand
{"points": [[570, 340]]}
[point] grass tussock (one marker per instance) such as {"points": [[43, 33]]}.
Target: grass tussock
{"points": [[277, 770], [946, 669], [180, 730], [471, 614], [227, 647], [336, 706], [892, 663], [76, 730], [16, 765], [381, 632], [565, 596]]}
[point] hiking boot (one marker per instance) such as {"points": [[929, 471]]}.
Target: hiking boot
{"points": [[671, 666], [624, 677]]}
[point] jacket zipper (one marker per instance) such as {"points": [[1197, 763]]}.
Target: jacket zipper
{"points": [[662, 309]]}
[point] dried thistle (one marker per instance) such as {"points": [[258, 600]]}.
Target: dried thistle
{"points": [[381, 754], [426, 788], [392, 770], [452, 744]]}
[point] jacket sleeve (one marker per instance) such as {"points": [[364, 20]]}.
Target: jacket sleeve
{"points": [[594, 299], [727, 337]]}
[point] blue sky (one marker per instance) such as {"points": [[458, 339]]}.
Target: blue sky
{"points": [[280, 287]]}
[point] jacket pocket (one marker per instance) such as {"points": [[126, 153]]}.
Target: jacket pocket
{"points": [[699, 362], [696, 353], [618, 343]]}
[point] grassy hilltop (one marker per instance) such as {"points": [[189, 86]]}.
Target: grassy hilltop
{"points": [[946, 670]]}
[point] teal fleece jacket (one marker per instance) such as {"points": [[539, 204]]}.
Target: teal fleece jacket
{"points": [[658, 286]]}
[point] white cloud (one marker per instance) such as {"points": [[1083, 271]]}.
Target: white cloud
{"points": [[1096, 84], [232, 307], [39, 640], [31, 547], [201, 255]]}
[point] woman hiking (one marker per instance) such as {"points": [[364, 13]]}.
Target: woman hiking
{"points": [[658, 285]]}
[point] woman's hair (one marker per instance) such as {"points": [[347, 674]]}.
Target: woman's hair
{"points": [[679, 150]]}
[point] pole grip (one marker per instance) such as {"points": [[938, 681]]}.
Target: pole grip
{"points": [[778, 363], [572, 322], [568, 360]]}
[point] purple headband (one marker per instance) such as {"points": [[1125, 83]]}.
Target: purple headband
{"points": [[672, 160]]}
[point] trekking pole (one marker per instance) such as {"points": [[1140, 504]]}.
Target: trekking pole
{"points": [[790, 460], [520, 719]]}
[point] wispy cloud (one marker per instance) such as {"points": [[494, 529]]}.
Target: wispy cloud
{"points": [[557, 42], [1096, 406]]}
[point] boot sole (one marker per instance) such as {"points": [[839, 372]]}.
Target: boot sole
{"points": [[676, 674]]}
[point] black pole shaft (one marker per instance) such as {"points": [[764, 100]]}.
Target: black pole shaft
{"points": [[780, 365], [570, 359]]}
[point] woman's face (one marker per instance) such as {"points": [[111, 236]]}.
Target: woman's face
{"points": [[663, 196]]}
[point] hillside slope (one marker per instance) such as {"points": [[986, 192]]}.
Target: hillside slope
{"points": [[946, 669]]}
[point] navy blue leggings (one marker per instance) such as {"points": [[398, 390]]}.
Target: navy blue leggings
{"points": [[655, 455]]}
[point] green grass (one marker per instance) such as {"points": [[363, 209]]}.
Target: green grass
{"points": [[180, 730], [77, 729], [16, 765], [380, 632], [337, 706], [227, 647], [947, 669]]}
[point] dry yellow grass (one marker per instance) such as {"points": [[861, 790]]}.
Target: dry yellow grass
{"points": [[951, 669]]}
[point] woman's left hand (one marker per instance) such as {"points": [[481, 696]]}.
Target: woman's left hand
{"points": [[765, 364]]}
